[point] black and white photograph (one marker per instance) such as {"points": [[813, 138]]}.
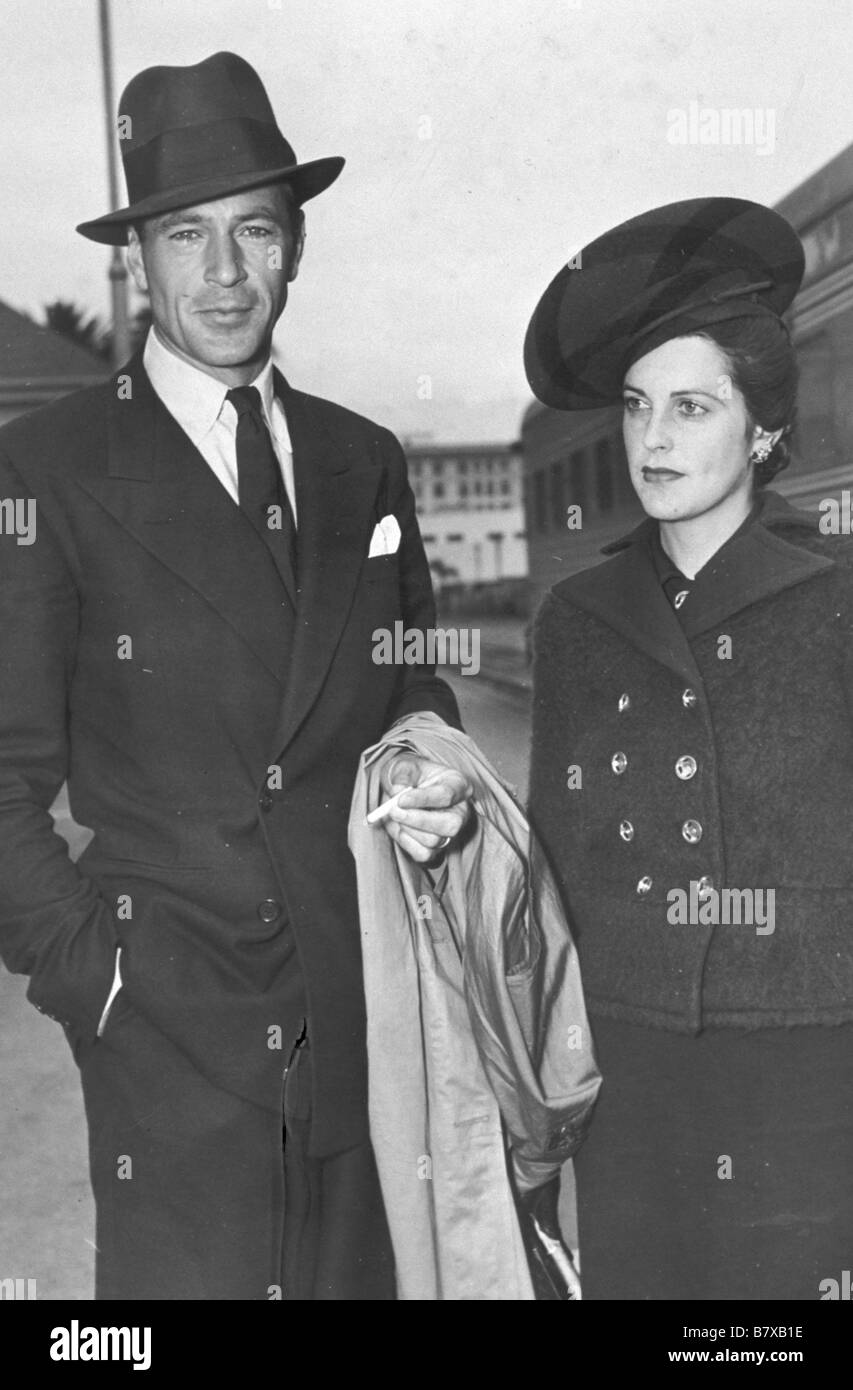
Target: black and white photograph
{"points": [[426, 665]]}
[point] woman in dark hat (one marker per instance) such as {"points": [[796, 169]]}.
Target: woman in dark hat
{"points": [[692, 772]]}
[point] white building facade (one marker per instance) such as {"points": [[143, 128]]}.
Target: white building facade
{"points": [[471, 511]]}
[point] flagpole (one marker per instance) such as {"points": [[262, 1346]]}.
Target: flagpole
{"points": [[118, 269]]}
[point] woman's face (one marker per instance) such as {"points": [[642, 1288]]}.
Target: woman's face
{"points": [[687, 432]]}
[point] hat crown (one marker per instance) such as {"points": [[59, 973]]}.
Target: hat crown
{"points": [[189, 135], [219, 88]]}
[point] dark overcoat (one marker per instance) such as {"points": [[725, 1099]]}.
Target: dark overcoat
{"points": [[740, 722], [150, 657]]}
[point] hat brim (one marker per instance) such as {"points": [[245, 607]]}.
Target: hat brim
{"points": [[306, 180]]}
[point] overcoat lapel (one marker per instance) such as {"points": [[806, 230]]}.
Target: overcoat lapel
{"points": [[626, 595], [162, 491], [335, 504], [755, 565]]}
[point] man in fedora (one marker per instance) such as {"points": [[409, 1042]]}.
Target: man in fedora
{"points": [[189, 643]]}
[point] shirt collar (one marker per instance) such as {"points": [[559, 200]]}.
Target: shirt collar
{"points": [[195, 398]]}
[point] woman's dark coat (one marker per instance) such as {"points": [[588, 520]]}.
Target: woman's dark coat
{"points": [[755, 682]]}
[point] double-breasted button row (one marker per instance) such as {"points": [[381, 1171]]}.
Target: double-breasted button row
{"points": [[685, 767], [692, 831], [689, 699], [269, 910], [704, 886]]}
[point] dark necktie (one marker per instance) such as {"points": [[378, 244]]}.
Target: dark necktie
{"points": [[263, 496]]}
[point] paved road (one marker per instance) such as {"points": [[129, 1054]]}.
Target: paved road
{"points": [[498, 719], [46, 1211], [47, 1217]]}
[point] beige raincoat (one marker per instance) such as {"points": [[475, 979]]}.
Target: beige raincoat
{"points": [[476, 1029]]}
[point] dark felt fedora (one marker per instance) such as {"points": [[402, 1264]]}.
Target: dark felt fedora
{"points": [[661, 275], [195, 133]]}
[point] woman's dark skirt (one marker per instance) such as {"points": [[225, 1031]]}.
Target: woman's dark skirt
{"points": [[718, 1166]]}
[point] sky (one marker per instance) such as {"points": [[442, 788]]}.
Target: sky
{"points": [[486, 141]]}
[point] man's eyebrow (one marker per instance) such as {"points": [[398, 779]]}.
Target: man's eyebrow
{"points": [[261, 210], [174, 219], [684, 391]]}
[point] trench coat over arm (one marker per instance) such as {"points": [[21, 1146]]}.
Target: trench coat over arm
{"points": [[477, 1030]]}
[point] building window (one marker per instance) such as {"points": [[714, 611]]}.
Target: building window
{"points": [[505, 487], [558, 499], [463, 489], [577, 480], [463, 466], [438, 489], [456, 538], [437, 467], [540, 510], [428, 540], [604, 475]]}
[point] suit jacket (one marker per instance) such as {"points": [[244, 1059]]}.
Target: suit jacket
{"points": [[765, 717], [209, 736]]}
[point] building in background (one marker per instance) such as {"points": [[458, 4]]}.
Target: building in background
{"points": [[572, 458], [37, 365], [471, 515]]}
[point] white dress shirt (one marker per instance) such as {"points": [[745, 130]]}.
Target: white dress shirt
{"points": [[197, 401]]}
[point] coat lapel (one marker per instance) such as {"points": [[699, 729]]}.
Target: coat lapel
{"points": [[335, 504], [626, 595], [162, 491], [755, 565]]}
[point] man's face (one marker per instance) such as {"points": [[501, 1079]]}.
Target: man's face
{"points": [[217, 276]]}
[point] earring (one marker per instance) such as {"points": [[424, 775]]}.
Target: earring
{"points": [[762, 454]]}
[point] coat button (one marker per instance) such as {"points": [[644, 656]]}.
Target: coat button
{"points": [[265, 801], [626, 830], [619, 762], [692, 831], [689, 698], [624, 702], [705, 886], [644, 885], [269, 910], [685, 768]]}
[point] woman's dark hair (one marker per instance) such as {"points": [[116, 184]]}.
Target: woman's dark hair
{"points": [[763, 367]]}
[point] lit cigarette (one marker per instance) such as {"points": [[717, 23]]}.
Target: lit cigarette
{"points": [[387, 806]]}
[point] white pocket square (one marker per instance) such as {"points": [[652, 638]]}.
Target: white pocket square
{"points": [[386, 537]]}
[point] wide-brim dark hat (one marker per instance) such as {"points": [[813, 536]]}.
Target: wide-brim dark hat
{"points": [[192, 134], [663, 274]]}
